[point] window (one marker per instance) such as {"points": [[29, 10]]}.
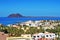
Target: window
{"points": [[34, 36], [46, 35], [30, 24], [37, 36], [50, 35]]}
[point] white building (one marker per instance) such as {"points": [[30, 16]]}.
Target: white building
{"points": [[44, 35], [29, 23]]}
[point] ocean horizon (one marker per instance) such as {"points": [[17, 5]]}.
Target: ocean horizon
{"points": [[6, 20]]}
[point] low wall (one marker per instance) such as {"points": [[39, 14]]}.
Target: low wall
{"points": [[19, 38]]}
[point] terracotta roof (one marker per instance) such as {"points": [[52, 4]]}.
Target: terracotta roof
{"points": [[3, 36]]}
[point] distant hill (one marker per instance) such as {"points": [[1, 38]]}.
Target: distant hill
{"points": [[15, 15]]}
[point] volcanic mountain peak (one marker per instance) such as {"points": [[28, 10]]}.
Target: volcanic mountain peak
{"points": [[15, 15]]}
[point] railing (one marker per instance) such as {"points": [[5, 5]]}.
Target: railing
{"points": [[19, 38]]}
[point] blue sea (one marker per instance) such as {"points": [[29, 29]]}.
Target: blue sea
{"points": [[6, 20]]}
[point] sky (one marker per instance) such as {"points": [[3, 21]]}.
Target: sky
{"points": [[30, 7]]}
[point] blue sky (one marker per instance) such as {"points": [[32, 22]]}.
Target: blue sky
{"points": [[30, 7]]}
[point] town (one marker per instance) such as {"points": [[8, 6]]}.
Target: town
{"points": [[35, 30]]}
